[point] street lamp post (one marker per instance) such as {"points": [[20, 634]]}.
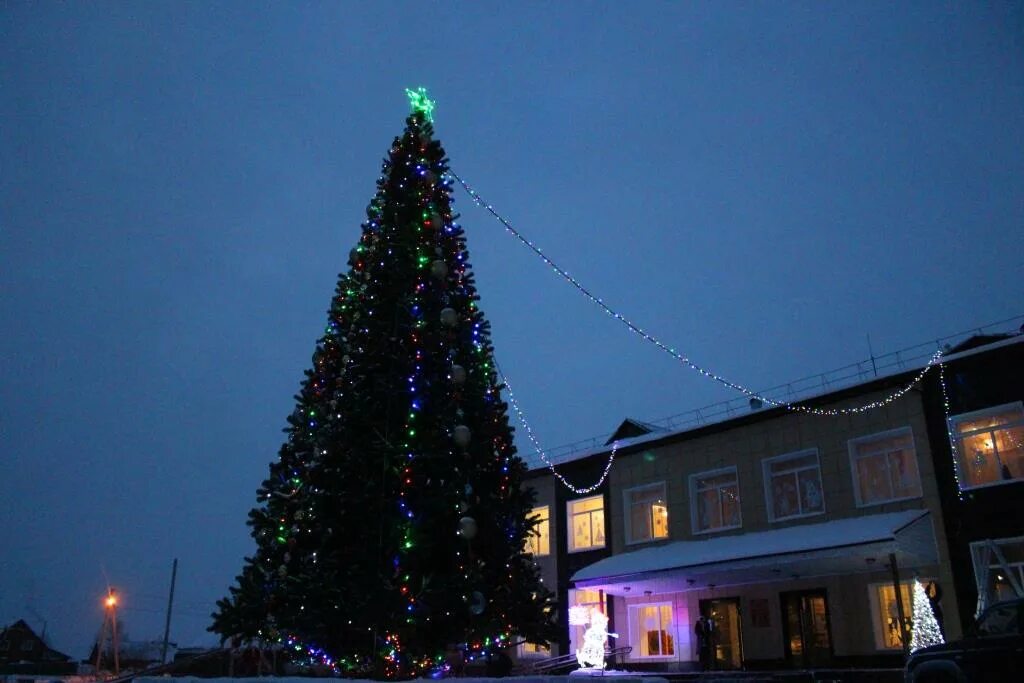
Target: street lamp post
{"points": [[109, 617]]}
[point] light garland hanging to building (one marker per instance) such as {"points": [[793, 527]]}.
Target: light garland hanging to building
{"points": [[636, 329], [540, 451], [949, 432]]}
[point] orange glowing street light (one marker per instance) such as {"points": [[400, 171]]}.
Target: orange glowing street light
{"points": [[109, 619]]}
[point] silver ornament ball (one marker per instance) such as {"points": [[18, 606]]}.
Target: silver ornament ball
{"points": [[477, 603], [458, 374], [449, 317], [467, 527], [461, 435]]}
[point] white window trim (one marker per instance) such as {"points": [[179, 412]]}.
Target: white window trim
{"points": [[851, 446], [627, 512], [975, 546], [693, 500], [635, 654], [876, 608], [767, 477], [530, 535], [569, 526], [954, 420]]}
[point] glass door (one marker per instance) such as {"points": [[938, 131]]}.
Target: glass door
{"points": [[726, 635], [806, 632]]}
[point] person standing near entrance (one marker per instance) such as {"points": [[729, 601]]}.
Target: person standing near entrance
{"points": [[702, 630], [712, 630]]}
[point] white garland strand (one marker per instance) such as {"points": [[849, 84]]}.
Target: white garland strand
{"points": [[949, 432], [540, 451], [636, 329]]}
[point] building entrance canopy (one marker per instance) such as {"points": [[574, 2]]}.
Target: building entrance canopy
{"points": [[838, 547]]}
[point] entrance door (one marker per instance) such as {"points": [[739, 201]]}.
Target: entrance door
{"points": [[727, 639], [806, 632]]}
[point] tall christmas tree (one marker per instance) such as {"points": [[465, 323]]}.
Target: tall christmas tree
{"points": [[391, 528], [925, 629]]}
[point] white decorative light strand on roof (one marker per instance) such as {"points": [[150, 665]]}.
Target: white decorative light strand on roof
{"points": [[633, 327], [949, 432], [540, 451]]}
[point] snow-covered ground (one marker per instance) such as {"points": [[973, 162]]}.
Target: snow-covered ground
{"points": [[616, 676]]}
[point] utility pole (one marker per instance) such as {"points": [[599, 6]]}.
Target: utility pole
{"points": [[109, 617], [170, 602]]}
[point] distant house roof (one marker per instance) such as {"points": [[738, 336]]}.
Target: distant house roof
{"points": [[19, 632]]}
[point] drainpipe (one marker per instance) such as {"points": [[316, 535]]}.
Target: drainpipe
{"points": [[902, 615]]}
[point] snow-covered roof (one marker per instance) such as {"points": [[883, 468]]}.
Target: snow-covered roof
{"points": [[838, 533]]}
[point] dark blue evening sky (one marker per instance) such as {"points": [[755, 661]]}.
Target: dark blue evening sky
{"points": [[761, 185]]}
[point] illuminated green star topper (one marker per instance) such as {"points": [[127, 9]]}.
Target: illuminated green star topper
{"points": [[419, 101]]}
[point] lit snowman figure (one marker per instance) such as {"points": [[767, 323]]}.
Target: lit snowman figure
{"points": [[591, 655]]}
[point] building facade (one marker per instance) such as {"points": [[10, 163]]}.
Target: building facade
{"points": [[797, 535]]}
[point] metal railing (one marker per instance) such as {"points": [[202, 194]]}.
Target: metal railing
{"points": [[911, 357]]}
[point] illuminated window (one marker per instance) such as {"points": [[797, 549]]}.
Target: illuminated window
{"points": [[715, 500], [884, 467], [533, 650], [793, 485], [646, 513], [650, 630], [990, 445], [586, 523], [581, 601], [998, 565], [538, 541], [886, 616]]}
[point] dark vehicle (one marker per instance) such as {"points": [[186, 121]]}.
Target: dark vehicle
{"points": [[993, 650]]}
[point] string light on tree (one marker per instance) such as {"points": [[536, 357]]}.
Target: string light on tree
{"points": [[925, 629], [399, 438]]}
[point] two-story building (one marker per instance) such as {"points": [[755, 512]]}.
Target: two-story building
{"points": [[799, 534]]}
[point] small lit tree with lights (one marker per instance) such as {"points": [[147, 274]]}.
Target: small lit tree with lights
{"points": [[925, 629], [391, 529]]}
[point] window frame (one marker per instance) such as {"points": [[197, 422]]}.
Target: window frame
{"points": [[852, 445], [693, 500], [541, 652], [673, 629], [766, 478], [994, 564], [954, 420], [876, 608], [570, 540], [545, 524], [627, 512]]}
